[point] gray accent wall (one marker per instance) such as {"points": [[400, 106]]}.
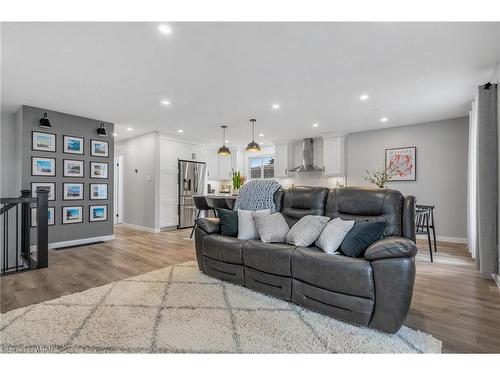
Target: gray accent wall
{"points": [[67, 124], [441, 167]]}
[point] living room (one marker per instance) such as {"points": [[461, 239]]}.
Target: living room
{"points": [[250, 187]]}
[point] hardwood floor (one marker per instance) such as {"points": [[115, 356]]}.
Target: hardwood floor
{"points": [[451, 301]]}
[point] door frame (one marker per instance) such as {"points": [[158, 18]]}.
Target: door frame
{"points": [[118, 190]]}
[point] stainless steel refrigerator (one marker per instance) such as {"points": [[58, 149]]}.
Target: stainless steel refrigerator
{"points": [[191, 182]]}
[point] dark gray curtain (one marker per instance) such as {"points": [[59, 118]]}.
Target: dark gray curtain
{"points": [[487, 180]]}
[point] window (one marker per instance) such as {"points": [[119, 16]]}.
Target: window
{"points": [[262, 167]]}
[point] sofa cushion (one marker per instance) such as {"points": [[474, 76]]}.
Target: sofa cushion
{"points": [[228, 220], [336, 273], [362, 235], [306, 230], [223, 248], [333, 234], [271, 228], [246, 225], [299, 201], [272, 258]]}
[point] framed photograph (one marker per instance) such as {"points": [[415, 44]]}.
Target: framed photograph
{"points": [[72, 191], [72, 215], [98, 213], [50, 216], [41, 141], [98, 191], [98, 170], [46, 185], [43, 166], [99, 148], [72, 145], [402, 162], [72, 168]]}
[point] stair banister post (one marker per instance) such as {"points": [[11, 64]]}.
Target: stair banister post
{"points": [[42, 228]]}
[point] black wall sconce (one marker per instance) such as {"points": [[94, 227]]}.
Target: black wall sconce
{"points": [[44, 122], [101, 130]]}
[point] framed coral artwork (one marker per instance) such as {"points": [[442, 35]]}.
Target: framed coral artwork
{"points": [[402, 162]]}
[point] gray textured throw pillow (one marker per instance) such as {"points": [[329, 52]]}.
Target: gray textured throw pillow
{"points": [[306, 230], [270, 227]]}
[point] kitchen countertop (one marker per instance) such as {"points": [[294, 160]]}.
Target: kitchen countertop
{"points": [[208, 196]]}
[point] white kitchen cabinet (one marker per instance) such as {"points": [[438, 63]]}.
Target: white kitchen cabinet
{"points": [[225, 167], [283, 157], [212, 161], [333, 155]]}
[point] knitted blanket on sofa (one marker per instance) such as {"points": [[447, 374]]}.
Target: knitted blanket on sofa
{"points": [[257, 195]]}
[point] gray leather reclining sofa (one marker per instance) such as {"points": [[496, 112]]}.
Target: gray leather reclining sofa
{"points": [[374, 291]]}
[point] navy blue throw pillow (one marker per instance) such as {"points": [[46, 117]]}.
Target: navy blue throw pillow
{"points": [[362, 235], [228, 221]]}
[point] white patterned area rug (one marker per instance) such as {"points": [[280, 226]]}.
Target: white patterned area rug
{"points": [[180, 310]]}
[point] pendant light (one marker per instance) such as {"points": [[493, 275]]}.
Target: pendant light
{"points": [[223, 150], [253, 146]]}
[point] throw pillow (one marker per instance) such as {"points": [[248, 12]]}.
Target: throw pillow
{"points": [[306, 230], [333, 234], [246, 225], [271, 228], [228, 221], [362, 235]]}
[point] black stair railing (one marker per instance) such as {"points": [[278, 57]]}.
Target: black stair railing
{"points": [[15, 214]]}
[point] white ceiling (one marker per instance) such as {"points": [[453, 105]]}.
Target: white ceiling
{"points": [[216, 73]]}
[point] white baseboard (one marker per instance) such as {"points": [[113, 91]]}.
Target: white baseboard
{"points": [[496, 277], [81, 241], [444, 238], [140, 227], [168, 228]]}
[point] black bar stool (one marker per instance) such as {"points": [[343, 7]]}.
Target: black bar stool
{"points": [[220, 203], [432, 225], [422, 216], [201, 204]]}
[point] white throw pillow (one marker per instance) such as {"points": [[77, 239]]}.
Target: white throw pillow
{"points": [[333, 234], [306, 230], [246, 225]]}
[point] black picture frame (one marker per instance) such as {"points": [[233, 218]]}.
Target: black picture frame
{"points": [[52, 208], [92, 142], [90, 213], [73, 136], [73, 199], [75, 222], [99, 162], [415, 162], [45, 184], [73, 176], [39, 149], [98, 199], [43, 175]]}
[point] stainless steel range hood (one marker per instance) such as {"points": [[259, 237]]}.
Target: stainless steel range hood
{"points": [[307, 158]]}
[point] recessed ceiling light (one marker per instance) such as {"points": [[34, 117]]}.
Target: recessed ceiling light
{"points": [[315, 125], [165, 29], [384, 119], [364, 97], [261, 143], [180, 131], [276, 106], [130, 129], [165, 102], [261, 134], [115, 134], [227, 140]]}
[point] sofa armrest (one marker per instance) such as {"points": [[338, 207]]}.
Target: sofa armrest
{"points": [[391, 247], [208, 225]]}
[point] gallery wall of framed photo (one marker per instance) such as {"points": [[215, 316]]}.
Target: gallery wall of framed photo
{"points": [[76, 165]]}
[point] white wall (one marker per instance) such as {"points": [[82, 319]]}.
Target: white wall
{"points": [[140, 180], [441, 167]]}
